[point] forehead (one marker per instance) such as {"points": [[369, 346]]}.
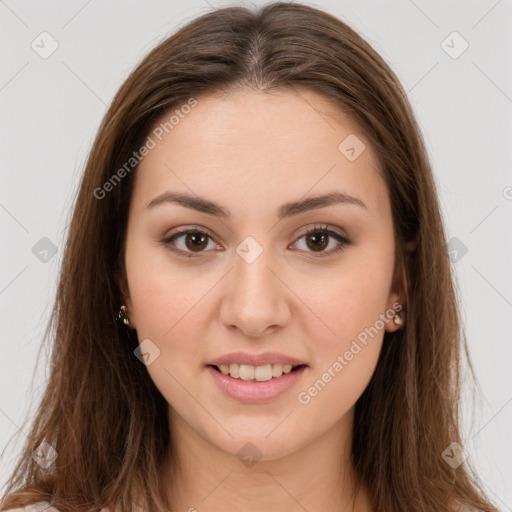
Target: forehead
{"points": [[257, 144]]}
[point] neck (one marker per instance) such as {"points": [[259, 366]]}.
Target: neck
{"points": [[317, 476]]}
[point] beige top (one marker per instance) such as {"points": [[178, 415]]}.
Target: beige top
{"points": [[41, 506]]}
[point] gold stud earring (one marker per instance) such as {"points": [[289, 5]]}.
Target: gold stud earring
{"points": [[122, 315], [398, 319]]}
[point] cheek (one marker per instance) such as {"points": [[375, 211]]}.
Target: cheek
{"points": [[164, 294], [345, 349], [347, 303], [173, 307], [332, 390], [350, 312]]}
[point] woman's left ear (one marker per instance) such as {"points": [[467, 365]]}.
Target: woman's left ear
{"points": [[395, 314]]}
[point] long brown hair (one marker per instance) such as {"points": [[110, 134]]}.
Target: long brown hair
{"points": [[101, 412]]}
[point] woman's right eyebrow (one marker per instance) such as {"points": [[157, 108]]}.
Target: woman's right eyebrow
{"points": [[289, 209]]}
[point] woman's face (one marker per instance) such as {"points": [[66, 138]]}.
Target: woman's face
{"points": [[253, 281]]}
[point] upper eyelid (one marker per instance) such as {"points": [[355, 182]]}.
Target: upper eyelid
{"points": [[323, 227], [192, 227], [183, 230]]}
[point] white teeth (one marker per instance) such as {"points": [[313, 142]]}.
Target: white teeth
{"points": [[259, 373], [262, 373], [246, 372], [234, 371], [277, 370]]}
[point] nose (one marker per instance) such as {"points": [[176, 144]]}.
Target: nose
{"points": [[255, 299]]}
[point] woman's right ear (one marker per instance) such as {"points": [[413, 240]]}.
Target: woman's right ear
{"points": [[124, 299]]}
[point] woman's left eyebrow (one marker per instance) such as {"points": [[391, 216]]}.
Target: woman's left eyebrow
{"points": [[286, 210]]}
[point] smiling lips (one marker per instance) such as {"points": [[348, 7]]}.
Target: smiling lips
{"points": [[254, 391], [255, 367], [258, 373], [254, 378]]}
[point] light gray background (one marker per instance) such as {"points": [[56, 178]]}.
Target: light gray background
{"points": [[51, 109]]}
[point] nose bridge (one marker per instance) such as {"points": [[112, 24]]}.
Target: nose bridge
{"points": [[254, 299]]}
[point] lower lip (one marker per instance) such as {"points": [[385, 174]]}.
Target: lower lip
{"points": [[253, 391]]}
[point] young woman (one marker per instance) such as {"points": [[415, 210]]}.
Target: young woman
{"points": [[255, 308]]}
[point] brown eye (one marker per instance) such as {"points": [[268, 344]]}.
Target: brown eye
{"points": [[317, 241], [319, 237], [195, 242]]}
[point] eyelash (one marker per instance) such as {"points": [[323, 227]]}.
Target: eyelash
{"points": [[343, 241]]}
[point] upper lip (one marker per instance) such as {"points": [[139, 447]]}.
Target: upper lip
{"points": [[255, 359]]}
